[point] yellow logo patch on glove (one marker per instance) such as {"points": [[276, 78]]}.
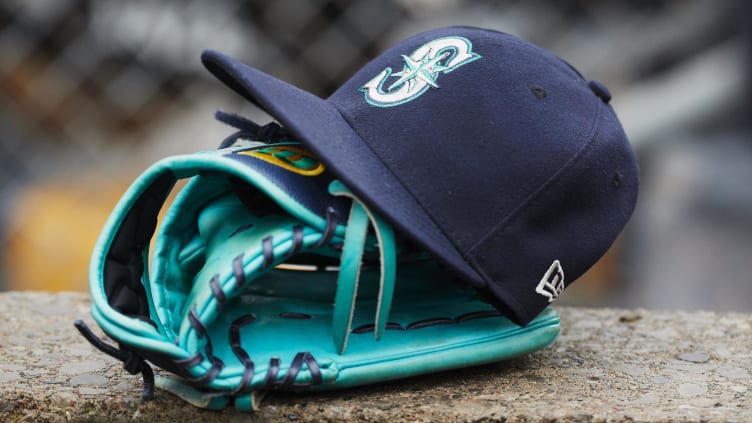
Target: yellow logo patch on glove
{"points": [[288, 157]]}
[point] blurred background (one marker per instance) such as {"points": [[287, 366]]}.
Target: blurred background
{"points": [[92, 92]]}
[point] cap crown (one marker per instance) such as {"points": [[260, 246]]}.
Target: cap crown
{"points": [[494, 137], [493, 154], [490, 132]]}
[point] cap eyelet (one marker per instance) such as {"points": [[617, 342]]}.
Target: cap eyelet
{"points": [[538, 92], [617, 180]]}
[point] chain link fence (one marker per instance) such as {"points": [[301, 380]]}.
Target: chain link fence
{"points": [[91, 92]]}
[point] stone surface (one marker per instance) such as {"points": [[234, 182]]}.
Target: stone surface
{"points": [[608, 365], [694, 357]]}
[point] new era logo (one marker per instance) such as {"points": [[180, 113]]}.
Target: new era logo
{"points": [[552, 283]]}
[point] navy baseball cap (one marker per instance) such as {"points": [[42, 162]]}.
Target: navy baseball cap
{"points": [[493, 154]]}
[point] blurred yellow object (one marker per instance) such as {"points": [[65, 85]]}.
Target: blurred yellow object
{"points": [[54, 225], [52, 229]]}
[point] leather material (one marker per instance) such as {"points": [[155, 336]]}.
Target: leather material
{"points": [[230, 322]]}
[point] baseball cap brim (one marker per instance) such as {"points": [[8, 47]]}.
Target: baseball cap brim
{"points": [[319, 125]]}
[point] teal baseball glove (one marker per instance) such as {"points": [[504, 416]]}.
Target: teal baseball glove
{"points": [[267, 273]]}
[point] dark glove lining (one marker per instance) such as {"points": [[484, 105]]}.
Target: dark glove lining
{"points": [[124, 265], [121, 277]]}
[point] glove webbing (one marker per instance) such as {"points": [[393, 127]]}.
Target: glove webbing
{"points": [[344, 304], [347, 283], [151, 197], [349, 271]]}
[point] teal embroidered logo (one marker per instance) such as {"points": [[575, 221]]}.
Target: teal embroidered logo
{"points": [[420, 72]]}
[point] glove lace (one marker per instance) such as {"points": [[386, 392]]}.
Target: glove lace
{"points": [[300, 359], [269, 133], [132, 362]]}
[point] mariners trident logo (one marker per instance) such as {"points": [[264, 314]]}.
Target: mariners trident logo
{"points": [[420, 71]]}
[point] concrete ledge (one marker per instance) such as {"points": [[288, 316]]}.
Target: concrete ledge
{"points": [[608, 365]]}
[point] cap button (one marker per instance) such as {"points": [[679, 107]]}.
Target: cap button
{"points": [[600, 89]]}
